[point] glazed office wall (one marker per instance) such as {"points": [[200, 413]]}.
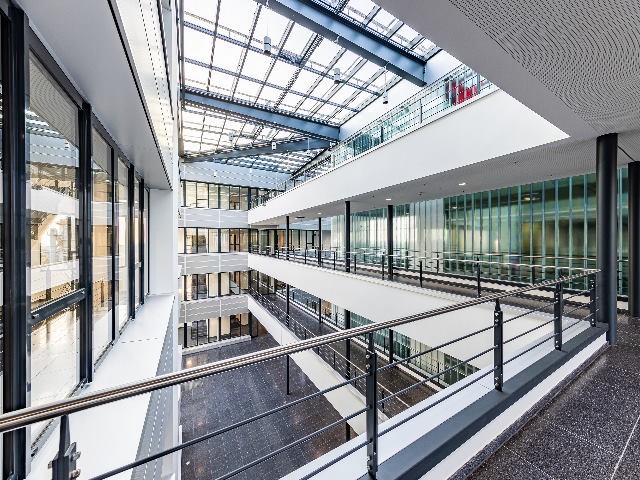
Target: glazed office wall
{"points": [[555, 219]]}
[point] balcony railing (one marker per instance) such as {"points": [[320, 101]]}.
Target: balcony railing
{"points": [[493, 356], [457, 87]]}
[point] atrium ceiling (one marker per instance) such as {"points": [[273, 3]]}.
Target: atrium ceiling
{"points": [[223, 61]]}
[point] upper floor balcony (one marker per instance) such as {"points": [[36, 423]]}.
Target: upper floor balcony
{"points": [[406, 153]]}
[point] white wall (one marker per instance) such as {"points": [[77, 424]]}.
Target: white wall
{"points": [[232, 175], [213, 262], [212, 218], [195, 310]]}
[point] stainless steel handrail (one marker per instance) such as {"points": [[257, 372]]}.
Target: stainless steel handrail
{"points": [[22, 418]]}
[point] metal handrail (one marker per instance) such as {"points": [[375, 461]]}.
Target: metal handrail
{"points": [[27, 416]]}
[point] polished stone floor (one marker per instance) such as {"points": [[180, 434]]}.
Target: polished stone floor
{"points": [[390, 381], [218, 401], [591, 430]]}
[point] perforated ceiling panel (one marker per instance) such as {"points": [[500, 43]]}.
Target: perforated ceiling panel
{"points": [[586, 52]]}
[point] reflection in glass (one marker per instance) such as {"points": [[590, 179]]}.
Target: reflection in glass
{"points": [[52, 197], [102, 191], [54, 360], [52, 126], [122, 213]]}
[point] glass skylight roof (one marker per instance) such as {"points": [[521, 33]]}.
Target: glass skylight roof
{"points": [[223, 56]]}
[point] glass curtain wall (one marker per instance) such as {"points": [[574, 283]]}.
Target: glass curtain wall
{"points": [[551, 223], [214, 195], [53, 213], [211, 330], [102, 231], [122, 255]]}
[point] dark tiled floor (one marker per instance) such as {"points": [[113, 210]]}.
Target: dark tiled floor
{"points": [[221, 400], [392, 380], [589, 431]]}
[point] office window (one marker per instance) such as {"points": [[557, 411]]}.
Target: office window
{"points": [[213, 196], [223, 240], [213, 240], [234, 198], [224, 197], [102, 191], [52, 142], [190, 194], [122, 260], [202, 195], [137, 219], [214, 281], [146, 241]]}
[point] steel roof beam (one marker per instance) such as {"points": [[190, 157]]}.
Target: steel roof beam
{"points": [[355, 38], [281, 147], [262, 115]]}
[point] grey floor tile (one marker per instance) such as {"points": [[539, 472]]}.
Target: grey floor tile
{"points": [[508, 465]]}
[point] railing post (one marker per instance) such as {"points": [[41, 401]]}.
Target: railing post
{"points": [[354, 264], [533, 274], [592, 300], [63, 465], [390, 346], [305, 256], [288, 381], [420, 265], [335, 253], [372, 410], [558, 308], [498, 345], [478, 276], [382, 264], [437, 263]]}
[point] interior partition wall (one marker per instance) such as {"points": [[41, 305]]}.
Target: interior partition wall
{"points": [[62, 212]]}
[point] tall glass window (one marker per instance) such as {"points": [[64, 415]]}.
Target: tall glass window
{"points": [[122, 213], [102, 191], [52, 196], [137, 219], [146, 240]]}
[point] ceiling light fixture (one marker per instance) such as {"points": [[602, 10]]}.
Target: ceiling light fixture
{"points": [[267, 39], [388, 199], [385, 94], [273, 145], [336, 75], [462, 184]]}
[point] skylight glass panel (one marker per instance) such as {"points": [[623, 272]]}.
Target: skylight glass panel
{"points": [[323, 88], [325, 53], [382, 22], [304, 81], [221, 83], [199, 45], [205, 9], [271, 24], [359, 9], [227, 56], [196, 76], [256, 65], [298, 39], [268, 96], [247, 90], [346, 62], [235, 14], [405, 36], [281, 74]]}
